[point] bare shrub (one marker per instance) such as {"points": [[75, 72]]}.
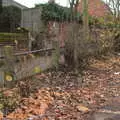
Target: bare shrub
{"points": [[104, 39], [117, 41], [75, 47], [79, 51]]}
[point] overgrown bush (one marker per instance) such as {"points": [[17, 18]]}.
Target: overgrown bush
{"points": [[108, 32], [117, 41], [104, 39], [10, 19], [100, 42], [76, 51], [55, 12], [9, 100]]}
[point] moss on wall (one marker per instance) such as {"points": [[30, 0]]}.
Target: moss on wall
{"points": [[11, 36]]}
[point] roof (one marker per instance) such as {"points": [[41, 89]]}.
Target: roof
{"points": [[96, 8], [12, 2]]}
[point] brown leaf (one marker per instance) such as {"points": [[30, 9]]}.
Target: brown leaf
{"points": [[82, 108], [1, 115]]}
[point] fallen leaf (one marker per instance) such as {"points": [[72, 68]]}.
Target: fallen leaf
{"points": [[82, 108], [1, 115]]}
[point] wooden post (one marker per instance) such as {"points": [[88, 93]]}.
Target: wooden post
{"points": [[30, 38]]}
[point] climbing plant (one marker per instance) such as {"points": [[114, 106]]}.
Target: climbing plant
{"points": [[10, 18], [55, 12]]}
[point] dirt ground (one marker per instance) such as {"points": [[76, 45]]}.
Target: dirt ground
{"points": [[64, 95]]}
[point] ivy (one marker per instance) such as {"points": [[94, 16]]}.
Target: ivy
{"points": [[55, 12]]}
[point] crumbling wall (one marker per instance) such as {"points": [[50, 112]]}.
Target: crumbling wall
{"points": [[31, 20]]}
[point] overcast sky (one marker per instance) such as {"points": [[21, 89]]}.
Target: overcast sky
{"points": [[31, 3]]}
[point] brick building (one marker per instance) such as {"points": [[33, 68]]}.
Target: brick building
{"points": [[96, 8]]}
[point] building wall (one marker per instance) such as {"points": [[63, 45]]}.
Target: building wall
{"points": [[58, 31], [12, 2], [96, 8], [31, 19]]}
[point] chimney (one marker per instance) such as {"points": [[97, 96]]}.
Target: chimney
{"points": [[51, 1]]}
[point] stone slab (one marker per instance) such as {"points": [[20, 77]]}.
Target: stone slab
{"points": [[110, 111]]}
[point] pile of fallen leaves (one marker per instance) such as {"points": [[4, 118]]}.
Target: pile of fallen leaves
{"points": [[9, 100], [33, 107]]}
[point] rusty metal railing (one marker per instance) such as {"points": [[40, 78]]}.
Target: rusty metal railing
{"points": [[32, 52]]}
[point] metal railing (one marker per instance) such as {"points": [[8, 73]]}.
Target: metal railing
{"points": [[32, 52]]}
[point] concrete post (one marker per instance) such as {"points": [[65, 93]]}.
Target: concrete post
{"points": [[56, 54], [9, 74], [1, 77]]}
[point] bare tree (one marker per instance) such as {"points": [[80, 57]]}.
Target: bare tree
{"points": [[85, 19], [73, 6], [115, 7], [76, 31], [73, 3]]}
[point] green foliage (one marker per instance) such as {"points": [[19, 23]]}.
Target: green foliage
{"points": [[10, 18], [10, 37], [55, 12], [102, 23], [111, 42], [9, 34], [1, 63], [8, 101]]}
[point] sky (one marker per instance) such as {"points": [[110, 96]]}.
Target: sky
{"points": [[31, 3]]}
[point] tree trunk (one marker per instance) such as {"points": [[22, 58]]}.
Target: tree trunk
{"points": [[85, 20]]}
